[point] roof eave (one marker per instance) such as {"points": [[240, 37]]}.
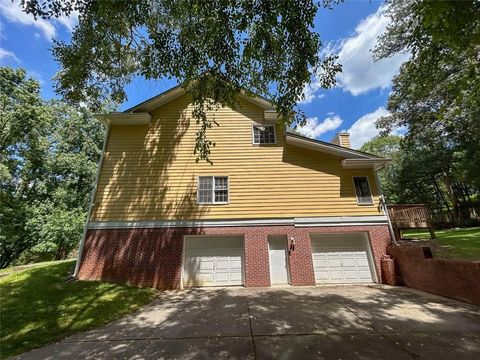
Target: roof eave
{"points": [[375, 164], [305, 142], [139, 118]]}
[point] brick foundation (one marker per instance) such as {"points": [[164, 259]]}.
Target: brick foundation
{"points": [[153, 257]]}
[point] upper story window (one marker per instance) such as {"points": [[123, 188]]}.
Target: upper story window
{"points": [[362, 190], [212, 190], [264, 134]]}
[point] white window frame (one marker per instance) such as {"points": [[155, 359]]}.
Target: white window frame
{"points": [[213, 202], [369, 189], [274, 134]]}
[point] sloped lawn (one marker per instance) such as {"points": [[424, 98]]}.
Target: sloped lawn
{"points": [[37, 306], [461, 244]]}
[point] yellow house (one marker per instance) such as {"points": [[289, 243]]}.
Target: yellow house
{"points": [[274, 208]]}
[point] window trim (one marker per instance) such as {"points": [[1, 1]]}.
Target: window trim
{"points": [[213, 202], [259, 143], [369, 189]]}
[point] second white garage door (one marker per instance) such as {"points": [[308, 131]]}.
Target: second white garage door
{"points": [[342, 258], [213, 261]]}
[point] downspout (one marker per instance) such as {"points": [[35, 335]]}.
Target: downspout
{"points": [[383, 204], [92, 199]]}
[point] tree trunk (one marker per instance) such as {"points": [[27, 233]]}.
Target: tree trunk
{"points": [[440, 193], [453, 197]]}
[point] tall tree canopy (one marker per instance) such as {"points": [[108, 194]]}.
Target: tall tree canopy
{"points": [[215, 48], [436, 95], [48, 158]]}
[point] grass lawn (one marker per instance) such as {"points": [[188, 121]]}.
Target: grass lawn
{"points": [[12, 269], [39, 307], [461, 243]]}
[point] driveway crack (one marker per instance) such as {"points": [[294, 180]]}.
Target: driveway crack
{"points": [[251, 328]]}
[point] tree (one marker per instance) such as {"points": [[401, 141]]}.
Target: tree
{"points": [[436, 95], [23, 140], [214, 48], [438, 89], [388, 147], [48, 159]]}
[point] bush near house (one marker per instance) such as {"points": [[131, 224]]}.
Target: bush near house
{"points": [[38, 306]]}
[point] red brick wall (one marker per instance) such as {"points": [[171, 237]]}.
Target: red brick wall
{"points": [[153, 257], [451, 278]]}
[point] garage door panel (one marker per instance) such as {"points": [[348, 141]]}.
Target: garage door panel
{"points": [[341, 258], [213, 261], [362, 262], [334, 263], [206, 266], [336, 274], [321, 275], [365, 274], [348, 262], [351, 274], [236, 276]]}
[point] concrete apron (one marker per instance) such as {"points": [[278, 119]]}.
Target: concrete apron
{"points": [[345, 322]]}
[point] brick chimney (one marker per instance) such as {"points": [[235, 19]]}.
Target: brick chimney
{"points": [[342, 139]]}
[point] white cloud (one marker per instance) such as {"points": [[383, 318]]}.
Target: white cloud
{"points": [[364, 128], [314, 128], [360, 73], [309, 91], [8, 54], [69, 22], [13, 12]]}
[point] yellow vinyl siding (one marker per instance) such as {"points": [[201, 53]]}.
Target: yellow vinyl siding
{"points": [[149, 172]]}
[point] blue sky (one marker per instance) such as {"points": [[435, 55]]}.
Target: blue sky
{"points": [[349, 30]]}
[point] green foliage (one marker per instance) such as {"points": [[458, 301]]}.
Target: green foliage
{"points": [[436, 95], [58, 230], [39, 307], [417, 174], [214, 48], [438, 90], [48, 158], [388, 147]]}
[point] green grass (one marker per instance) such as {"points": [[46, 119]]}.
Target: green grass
{"points": [[461, 243], [39, 307], [19, 268]]}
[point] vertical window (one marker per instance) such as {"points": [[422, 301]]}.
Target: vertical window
{"points": [[212, 190], [263, 134], [362, 190], [205, 189]]}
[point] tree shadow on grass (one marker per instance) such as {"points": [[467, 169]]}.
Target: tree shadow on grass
{"points": [[38, 306]]}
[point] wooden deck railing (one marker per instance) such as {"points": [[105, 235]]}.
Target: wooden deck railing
{"points": [[409, 213], [409, 216]]}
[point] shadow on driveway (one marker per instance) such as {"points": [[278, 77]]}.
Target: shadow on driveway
{"points": [[345, 322]]}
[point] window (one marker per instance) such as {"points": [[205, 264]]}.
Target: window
{"points": [[362, 190], [212, 190], [264, 134]]}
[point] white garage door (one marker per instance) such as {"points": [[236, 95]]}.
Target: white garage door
{"points": [[213, 261], [341, 258]]}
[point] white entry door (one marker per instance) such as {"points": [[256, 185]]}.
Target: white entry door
{"points": [[277, 248], [342, 258], [213, 261]]}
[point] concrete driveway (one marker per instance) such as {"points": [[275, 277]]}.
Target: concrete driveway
{"points": [[347, 322]]}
